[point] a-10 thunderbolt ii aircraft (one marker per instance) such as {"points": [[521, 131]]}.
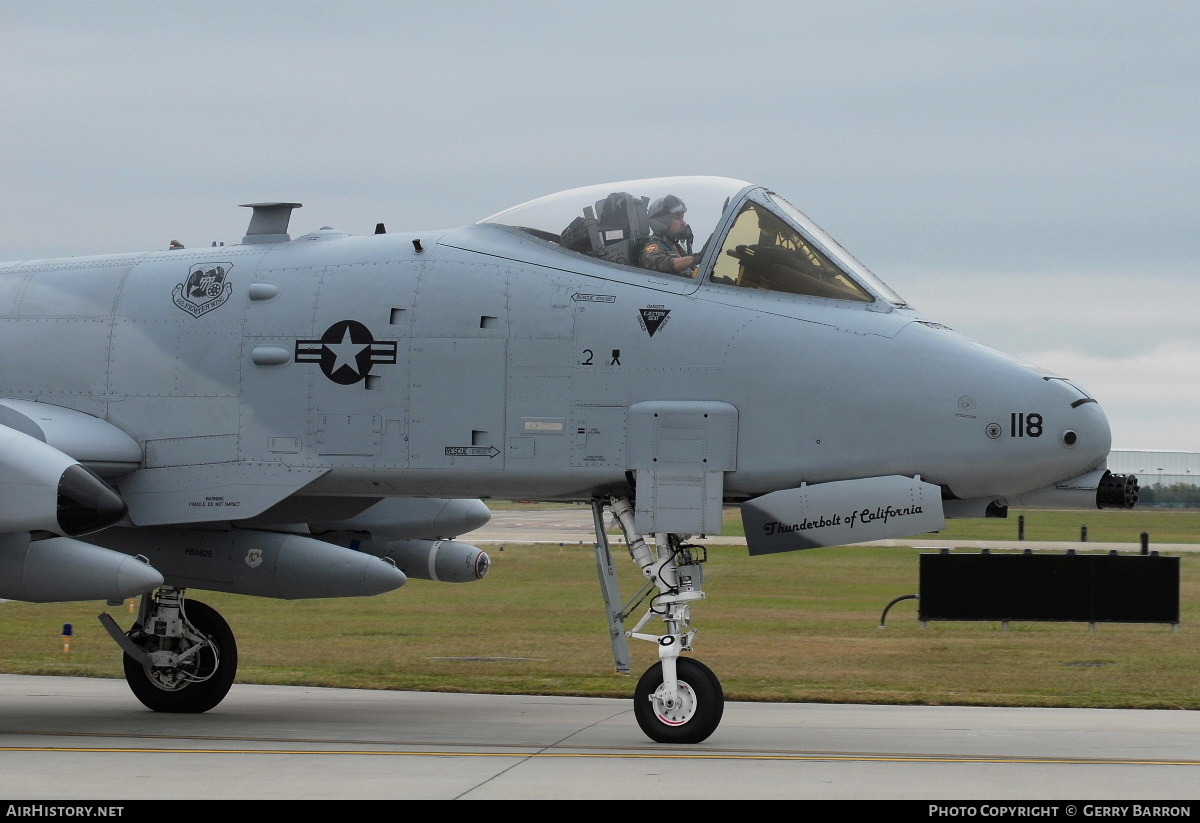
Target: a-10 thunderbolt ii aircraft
{"points": [[318, 416]]}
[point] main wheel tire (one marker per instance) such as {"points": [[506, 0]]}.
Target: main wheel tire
{"points": [[190, 697], [698, 715]]}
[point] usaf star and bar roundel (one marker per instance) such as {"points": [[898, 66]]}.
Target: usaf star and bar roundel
{"points": [[346, 351]]}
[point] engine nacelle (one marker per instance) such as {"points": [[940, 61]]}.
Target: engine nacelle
{"points": [[62, 569], [261, 563], [447, 561], [42, 489]]}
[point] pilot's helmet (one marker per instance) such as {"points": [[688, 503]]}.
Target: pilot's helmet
{"points": [[662, 210]]}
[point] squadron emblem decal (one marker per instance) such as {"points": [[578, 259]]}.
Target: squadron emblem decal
{"points": [[346, 352], [205, 288], [652, 318]]}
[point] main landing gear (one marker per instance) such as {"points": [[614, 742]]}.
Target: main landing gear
{"points": [[178, 658], [678, 699]]}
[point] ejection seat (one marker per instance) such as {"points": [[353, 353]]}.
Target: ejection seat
{"points": [[615, 229]]}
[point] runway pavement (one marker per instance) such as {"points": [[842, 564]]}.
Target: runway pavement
{"points": [[87, 739], [575, 525], [67, 738]]}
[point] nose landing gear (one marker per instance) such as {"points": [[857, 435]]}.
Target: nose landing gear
{"points": [[688, 716], [678, 699]]}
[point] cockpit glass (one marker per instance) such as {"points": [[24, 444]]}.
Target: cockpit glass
{"points": [[619, 222], [762, 251], [666, 224], [834, 250]]}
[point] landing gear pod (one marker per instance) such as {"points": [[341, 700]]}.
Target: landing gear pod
{"points": [[43, 489], [401, 518], [86, 503]]}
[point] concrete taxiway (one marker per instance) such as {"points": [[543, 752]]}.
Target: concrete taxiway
{"points": [[87, 739], [575, 525]]}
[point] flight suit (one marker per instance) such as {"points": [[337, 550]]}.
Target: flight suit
{"points": [[659, 253]]}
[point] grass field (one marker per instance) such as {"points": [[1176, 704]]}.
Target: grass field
{"points": [[795, 627]]}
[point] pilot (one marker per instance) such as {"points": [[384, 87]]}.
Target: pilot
{"points": [[669, 248]]}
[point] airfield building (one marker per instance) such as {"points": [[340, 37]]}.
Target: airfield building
{"points": [[1157, 467]]}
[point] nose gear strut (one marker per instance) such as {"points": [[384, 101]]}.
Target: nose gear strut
{"points": [[678, 699]]}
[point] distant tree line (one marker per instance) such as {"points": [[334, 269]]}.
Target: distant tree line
{"points": [[1175, 495]]}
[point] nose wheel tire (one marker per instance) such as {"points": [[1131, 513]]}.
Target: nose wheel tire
{"points": [[195, 685], [693, 716]]}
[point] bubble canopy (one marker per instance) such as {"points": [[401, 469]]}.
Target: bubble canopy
{"points": [[775, 246], [705, 197]]}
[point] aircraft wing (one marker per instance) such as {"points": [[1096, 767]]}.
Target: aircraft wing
{"points": [[214, 492], [51, 488], [211, 486]]}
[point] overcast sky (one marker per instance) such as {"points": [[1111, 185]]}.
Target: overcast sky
{"points": [[1025, 172]]}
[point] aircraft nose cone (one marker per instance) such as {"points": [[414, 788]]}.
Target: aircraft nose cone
{"points": [[1068, 434], [86, 503], [1087, 434]]}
